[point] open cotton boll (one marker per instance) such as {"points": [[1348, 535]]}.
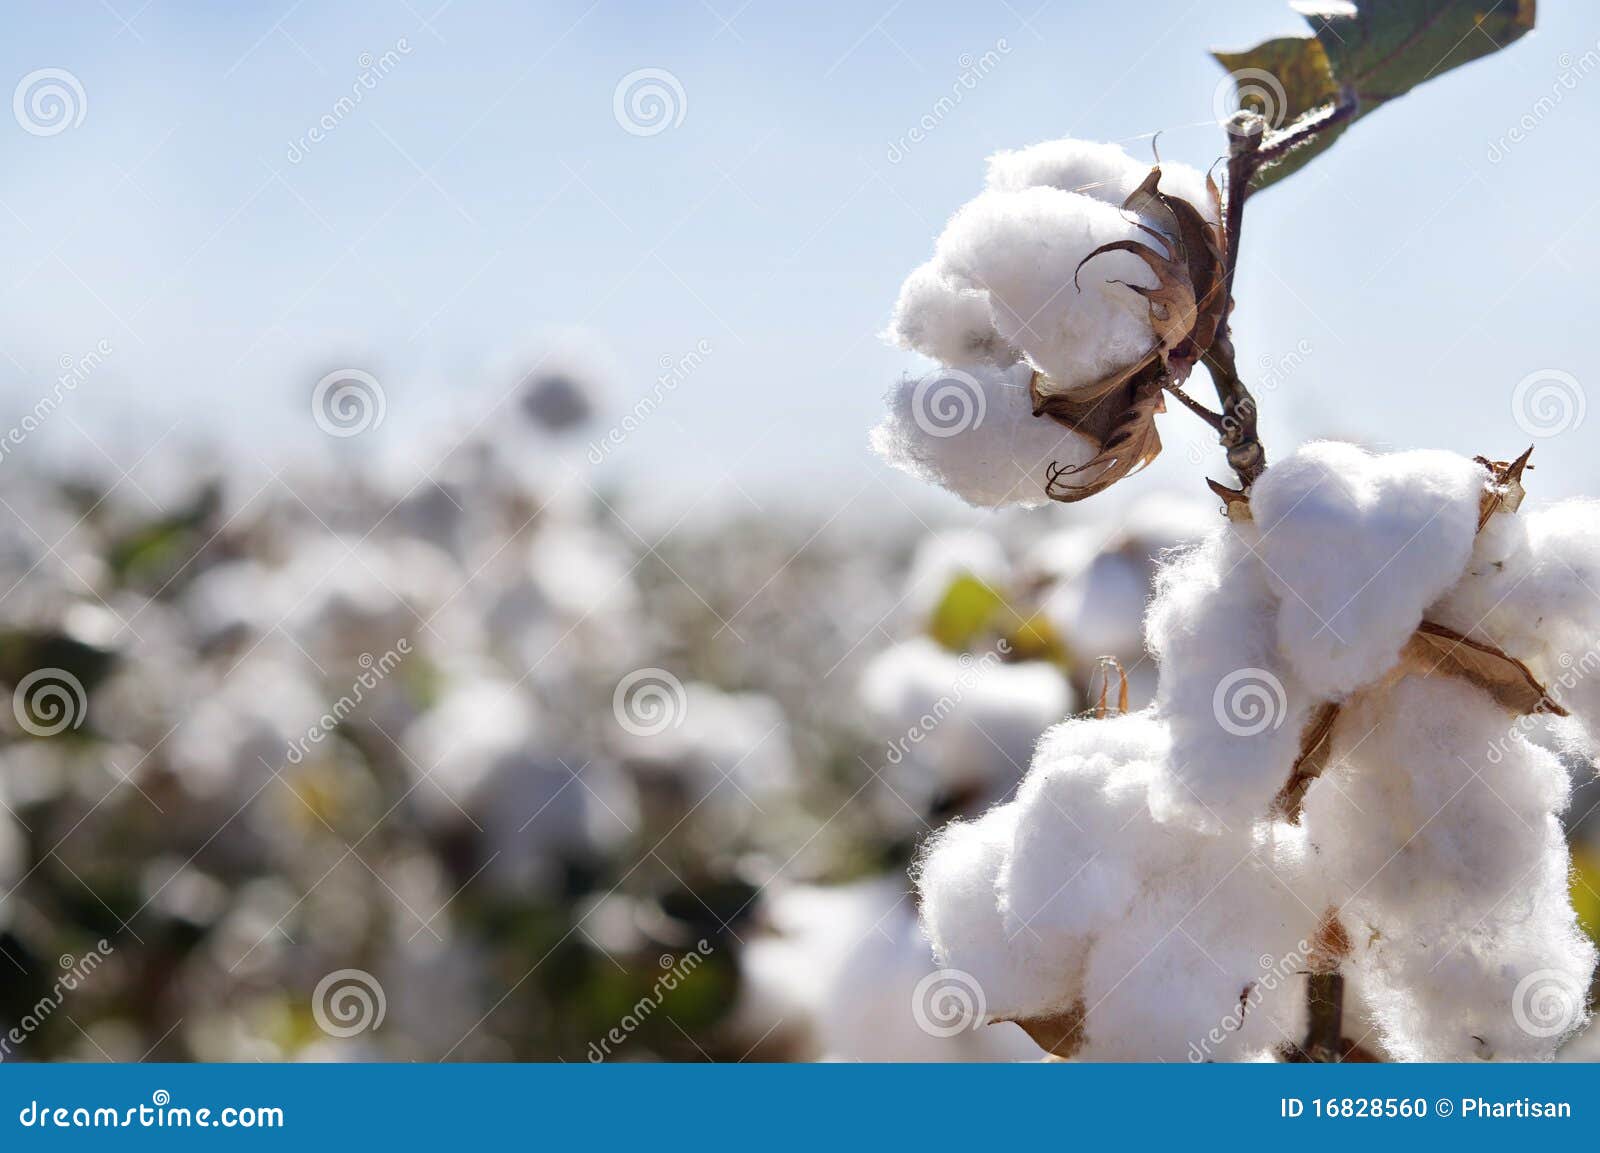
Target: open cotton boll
{"points": [[960, 722], [1203, 968], [1024, 250], [1086, 841], [1435, 833], [1232, 705], [1103, 171], [886, 1003], [1530, 589], [1509, 987], [1099, 613], [951, 324], [1356, 547], [965, 915], [1430, 803], [975, 434]]}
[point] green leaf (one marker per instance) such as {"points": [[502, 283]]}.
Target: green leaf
{"points": [[1380, 50]]}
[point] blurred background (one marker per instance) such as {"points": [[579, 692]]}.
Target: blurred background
{"points": [[448, 606]]}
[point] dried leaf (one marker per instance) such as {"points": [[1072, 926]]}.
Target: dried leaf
{"points": [[1434, 649], [1060, 1034], [1235, 501], [1130, 445], [1186, 305], [1503, 491], [1316, 747], [1104, 667]]}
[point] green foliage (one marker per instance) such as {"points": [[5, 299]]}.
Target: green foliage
{"points": [[1376, 52]]}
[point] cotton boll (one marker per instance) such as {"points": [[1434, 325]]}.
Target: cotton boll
{"points": [[1530, 589], [1100, 612], [975, 434], [1204, 967], [1436, 835], [1356, 547], [1510, 987], [1086, 841], [1428, 804], [965, 917], [960, 723], [1103, 171], [1233, 706], [946, 322], [886, 1003], [1024, 250]]}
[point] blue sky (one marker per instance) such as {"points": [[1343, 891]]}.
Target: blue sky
{"points": [[483, 195]]}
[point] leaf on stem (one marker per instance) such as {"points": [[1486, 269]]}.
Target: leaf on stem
{"points": [[1378, 50]]}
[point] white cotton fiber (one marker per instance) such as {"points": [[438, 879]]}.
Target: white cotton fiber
{"points": [[967, 919], [1233, 705], [1023, 249], [1533, 589], [1436, 835], [1356, 547], [974, 433], [1103, 171], [961, 722], [949, 323]]}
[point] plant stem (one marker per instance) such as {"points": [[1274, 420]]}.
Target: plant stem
{"points": [[1249, 148]]}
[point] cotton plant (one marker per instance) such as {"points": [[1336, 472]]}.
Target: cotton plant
{"points": [[1331, 835]]}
